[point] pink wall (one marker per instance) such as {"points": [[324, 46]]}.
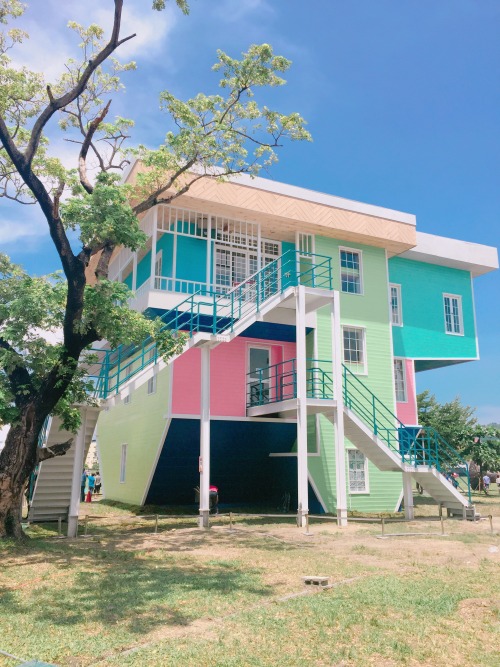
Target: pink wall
{"points": [[407, 412], [228, 368]]}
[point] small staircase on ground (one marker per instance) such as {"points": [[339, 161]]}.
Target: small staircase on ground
{"points": [[52, 490]]}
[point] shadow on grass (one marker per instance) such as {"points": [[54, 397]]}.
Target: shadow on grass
{"points": [[139, 593]]}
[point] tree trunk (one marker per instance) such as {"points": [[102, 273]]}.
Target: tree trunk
{"points": [[17, 461]]}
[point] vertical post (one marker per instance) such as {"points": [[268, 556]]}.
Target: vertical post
{"points": [[153, 247], [302, 478], [78, 463], [209, 252], [134, 272], [205, 439], [408, 496], [340, 460]]}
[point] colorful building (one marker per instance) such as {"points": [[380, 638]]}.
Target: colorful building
{"points": [[304, 318]]}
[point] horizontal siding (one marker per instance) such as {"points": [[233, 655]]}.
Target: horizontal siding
{"points": [[140, 425]]}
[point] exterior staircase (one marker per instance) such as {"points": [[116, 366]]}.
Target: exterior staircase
{"points": [[208, 317], [52, 490], [370, 425]]}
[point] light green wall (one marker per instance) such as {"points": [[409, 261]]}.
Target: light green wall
{"points": [[140, 425], [369, 310], [423, 334]]}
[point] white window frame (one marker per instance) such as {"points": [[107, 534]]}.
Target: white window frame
{"points": [[152, 385], [158, 269], [361, 281], [405, 387], [362, 369], [123, 464], [366, 490], [458, 297], [397, 287]]}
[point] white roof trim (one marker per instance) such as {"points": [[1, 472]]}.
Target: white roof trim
{"points": [[473, 257]]}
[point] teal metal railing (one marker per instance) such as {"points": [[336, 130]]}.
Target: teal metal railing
{"points": [[415, 445], [211, 312], [279, 382]]}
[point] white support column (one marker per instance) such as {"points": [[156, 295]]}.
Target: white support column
{"points": [[205, 439], [302, 475], [134, 272], [209, 252], [78, 463], [408, 496], [154, 238], [340, 458]]}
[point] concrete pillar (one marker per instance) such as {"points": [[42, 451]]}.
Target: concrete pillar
{"points": [[153, 247], [302, 477], [340, 458], [408, 496], [205, 439], [78, 463]]}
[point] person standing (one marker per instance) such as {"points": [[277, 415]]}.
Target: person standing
{"points": [[486, 483], [97, 483], [90, 488], [83, 485], [498, 481]]}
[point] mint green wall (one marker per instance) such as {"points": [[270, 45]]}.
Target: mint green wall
{"points": [[369, 310], [140, 425], [423, 332]]}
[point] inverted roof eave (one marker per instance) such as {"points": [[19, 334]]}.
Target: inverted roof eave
{"points": [[465, 255]]}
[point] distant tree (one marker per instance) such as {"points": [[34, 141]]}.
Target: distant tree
{"points": [[458, 426], [453, 421], [215, 136]]}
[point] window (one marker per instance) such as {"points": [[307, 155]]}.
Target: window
{"points": [[358, 472], [453, 321], [396, 313], [354, 349], [400, 380], [350, 271], [152, 385], [123, 464]]}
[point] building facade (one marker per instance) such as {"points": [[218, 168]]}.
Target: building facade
{"points": [[304, 319]]}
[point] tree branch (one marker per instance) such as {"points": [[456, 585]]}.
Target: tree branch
{"points": [[60, 102], [152, 200], [87, 142], [19, 378], [45, 453]]}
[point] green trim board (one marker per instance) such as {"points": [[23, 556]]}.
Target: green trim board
{"points": [[423, 334], [140, 424]]}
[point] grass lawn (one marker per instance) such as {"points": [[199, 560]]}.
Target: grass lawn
{"points": [[185, 597]]}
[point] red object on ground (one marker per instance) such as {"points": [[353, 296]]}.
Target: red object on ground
{"points": [[88, 498]]}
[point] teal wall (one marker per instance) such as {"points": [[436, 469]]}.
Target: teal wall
{"points": [[423, 334], [144, 269], [191, 259]]}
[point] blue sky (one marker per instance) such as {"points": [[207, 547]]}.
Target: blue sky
{"points": [[402, 101]]}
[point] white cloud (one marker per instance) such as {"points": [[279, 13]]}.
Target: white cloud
{"points": [[234, 12], [16, 231], [487, 414]]}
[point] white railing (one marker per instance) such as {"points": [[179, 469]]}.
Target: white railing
{"points": [[166, 284]]}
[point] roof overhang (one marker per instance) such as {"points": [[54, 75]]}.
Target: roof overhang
{"points": [[282, 210], [473, 257]]}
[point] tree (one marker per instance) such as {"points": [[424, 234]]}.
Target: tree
{"points": [[458, 426], [453, 421], [215, 136]]}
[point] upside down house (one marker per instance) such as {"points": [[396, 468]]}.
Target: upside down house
{"points": [[304, 319]]}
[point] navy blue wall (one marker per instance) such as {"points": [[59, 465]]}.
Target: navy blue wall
{"points": [[240, 463]]}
